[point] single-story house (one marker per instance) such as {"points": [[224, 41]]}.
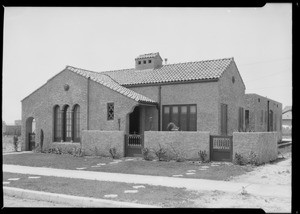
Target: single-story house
{"points": [[257, 118], [196, 96]]}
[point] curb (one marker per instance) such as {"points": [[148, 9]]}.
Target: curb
{"points": [[69, 199]]}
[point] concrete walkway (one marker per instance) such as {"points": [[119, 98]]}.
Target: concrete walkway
{"points": [[188, 183]]}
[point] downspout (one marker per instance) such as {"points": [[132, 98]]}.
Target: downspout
{"points": [[159, 107], [268, 116], [88, 104]]}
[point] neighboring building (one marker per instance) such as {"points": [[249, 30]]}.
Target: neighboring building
{"points": [[196, 96], [18, 122], [287, 121], [12, 130], [263, 114], [3, 126]]}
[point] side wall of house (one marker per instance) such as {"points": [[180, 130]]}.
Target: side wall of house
{"points": [[258, 108], [40, 105], [99, 97], [204, 94], [232, 93]]}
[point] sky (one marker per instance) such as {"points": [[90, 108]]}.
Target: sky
{"points": [[39, 42]]}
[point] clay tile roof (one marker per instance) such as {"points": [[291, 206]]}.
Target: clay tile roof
{"points": [[110, 83], [180, 72]]}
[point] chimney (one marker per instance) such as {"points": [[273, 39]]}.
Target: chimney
{"points": [[166, 60]]}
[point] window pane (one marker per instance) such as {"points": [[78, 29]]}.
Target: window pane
{"points": [[174, 117], [193, 109], [166, 118], [110, 111], [193, 119], [166, 109], [183, 118]]}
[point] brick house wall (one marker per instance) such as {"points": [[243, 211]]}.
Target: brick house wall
{"points": [[232, 93], [258, 121], [40, 105]]}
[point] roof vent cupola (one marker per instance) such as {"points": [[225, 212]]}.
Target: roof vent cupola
{"points": [[148, 61]]}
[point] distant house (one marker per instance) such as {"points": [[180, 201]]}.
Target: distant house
{"points": [[195, 96], [263, 114], [287, 121]]}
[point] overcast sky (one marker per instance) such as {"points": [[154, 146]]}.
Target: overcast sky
{"points": [[40, 42]]}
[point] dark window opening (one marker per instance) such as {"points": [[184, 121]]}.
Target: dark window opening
{"points": [[247, 119], [110, 111], [140, 62], [258, 99], [149, 61], [76, 124], [144, 61], [183, 116], [57, 124], [241, 119]]}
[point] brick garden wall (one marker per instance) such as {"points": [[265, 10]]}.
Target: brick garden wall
{"points": [[264, 144], [188, 143], [96, 142]]}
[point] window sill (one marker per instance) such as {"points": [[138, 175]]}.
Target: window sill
{"points": [[65, 143]]}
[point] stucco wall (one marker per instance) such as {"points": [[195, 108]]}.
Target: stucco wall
{"points": [[99, 97], [204, 94], [264, 144], [188, 143], [99, 142], [232, 94]]}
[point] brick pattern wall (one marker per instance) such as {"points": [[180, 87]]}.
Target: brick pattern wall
{"points": [[256, 103], [232, 94], [264, 144], [188, 143], [99, 142]]}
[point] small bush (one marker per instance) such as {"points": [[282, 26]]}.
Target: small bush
{"points": [[113, 152], [244, 191], [239, 159], [78, 152], [146, 154], [15, 143], [203, 156], [253, 159], [160, 153]]}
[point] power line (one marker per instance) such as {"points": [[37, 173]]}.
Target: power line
{"points": [[266, 61], [262, 77], [270, 87]]}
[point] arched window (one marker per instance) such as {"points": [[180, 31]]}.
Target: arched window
{"points": [[67, 124], [57, 124], [76, 123]]}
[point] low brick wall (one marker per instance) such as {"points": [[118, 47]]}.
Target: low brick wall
{"points": [[264, 144], [187, 143], [95, 142]]}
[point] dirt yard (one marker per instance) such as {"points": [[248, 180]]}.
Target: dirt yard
{"points": [[277, 173]]}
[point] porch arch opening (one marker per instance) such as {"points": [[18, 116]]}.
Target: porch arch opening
{"points": [[30, 134]]}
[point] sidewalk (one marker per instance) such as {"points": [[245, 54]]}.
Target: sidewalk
{"points": [[188, 183]]}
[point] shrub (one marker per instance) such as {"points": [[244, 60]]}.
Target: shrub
{"points": [[203, 156], [178, 156], [253, 159], [146, 154], [113, 152], [239, 159], [160, 153], [78, 152], [15, 143]]}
